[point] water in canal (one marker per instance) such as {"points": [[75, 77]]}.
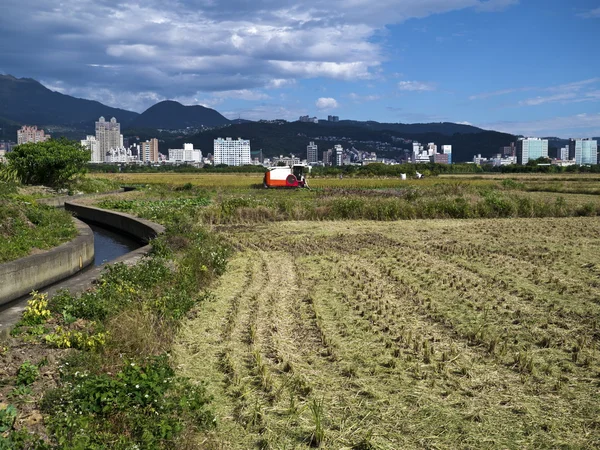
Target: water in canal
{"points": [[108, 245]]}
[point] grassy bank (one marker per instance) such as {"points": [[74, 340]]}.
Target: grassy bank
{"points": [[26, 226], [100, 368]]}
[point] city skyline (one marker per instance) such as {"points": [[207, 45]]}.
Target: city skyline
{"points": [[524, 67]]}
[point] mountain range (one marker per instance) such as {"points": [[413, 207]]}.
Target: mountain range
{"points": [[24, 101]]}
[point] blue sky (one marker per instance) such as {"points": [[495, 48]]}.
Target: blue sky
{"points": [[523, 66]]}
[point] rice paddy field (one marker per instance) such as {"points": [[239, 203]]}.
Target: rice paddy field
{"points": [[337, 324], [417, 334]]}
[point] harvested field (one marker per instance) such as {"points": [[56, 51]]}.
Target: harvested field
{"points": [[420, 334]]}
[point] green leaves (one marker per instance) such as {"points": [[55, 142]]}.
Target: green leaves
{"points": [[51, 163]]}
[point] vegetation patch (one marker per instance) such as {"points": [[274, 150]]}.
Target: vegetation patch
{"points": [[114, 380]]}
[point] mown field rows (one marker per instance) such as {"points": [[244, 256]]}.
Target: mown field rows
{"points": [[420, 334]]}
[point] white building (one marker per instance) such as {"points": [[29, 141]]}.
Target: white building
{"points": [[108, 135], [187, 154], [91, 143], [563, 153], [231, 152], [312, 153], [419, 154], [338, 152], [119, 155]]}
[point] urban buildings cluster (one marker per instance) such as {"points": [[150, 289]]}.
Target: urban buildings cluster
{"points": [[109, 146], [578, 152], [309, 119], [420, 154]]}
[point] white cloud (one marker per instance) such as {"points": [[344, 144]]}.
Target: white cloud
{"points": [[241, 94], [576, 91], [326, 103], [539, 100], [592, 14], [417, 86], [566, 126], [484, 95], [178, 48], [363, 98], [277, 83]]}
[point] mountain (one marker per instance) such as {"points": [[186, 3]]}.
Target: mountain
{"points": [[28, 102], [292, 137], [170, 115], [445, 128]]}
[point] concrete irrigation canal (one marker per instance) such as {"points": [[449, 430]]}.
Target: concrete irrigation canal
{"points": [[104, 236]]}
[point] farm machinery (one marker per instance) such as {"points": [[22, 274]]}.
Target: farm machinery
{"points": [[286, 176]]}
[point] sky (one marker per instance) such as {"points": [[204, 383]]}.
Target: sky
{"points": [[529, 67]]}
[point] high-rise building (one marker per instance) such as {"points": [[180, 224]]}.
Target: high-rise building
{"points": [[91, 143], [333, 118], [583, 151], [311, 153], [530, 149], [108, 135], [338, 152], [327, 157], [149, 151], [231, 152], [563, 153], [447, 150], [31, 134]]}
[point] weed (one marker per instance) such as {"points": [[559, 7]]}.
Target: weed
{"points": [[318, 415], [27, 374]]}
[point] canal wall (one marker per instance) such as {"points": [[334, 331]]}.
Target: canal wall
{"points": [[20, 277], [139, 229]]}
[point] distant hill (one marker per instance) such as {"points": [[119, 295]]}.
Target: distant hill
{"points": [[172, 115], [445, 128], [27, 101], [292, 137]]}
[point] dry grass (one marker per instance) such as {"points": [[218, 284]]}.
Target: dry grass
{"points": [[421, 334]]}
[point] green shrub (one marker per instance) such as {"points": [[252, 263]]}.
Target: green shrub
{"points": [[52, 163], [27, 374]]}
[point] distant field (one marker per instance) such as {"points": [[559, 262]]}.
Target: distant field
{"points": [[437, 334], [230, 180]]}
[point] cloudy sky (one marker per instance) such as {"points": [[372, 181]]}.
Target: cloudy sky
{"points": [[523, 66]]}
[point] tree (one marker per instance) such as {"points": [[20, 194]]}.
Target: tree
{"points": [[52, 163]]}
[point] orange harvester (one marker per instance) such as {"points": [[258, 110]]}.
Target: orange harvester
{"points": [[285, 177]]}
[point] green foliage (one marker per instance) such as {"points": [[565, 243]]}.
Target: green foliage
{"points": [[163, 211], [8, 175], [52, 163], [142, 405], [8, 416], [27, 374]]}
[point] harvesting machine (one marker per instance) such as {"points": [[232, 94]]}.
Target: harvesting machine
{"points": [[286, 176]]}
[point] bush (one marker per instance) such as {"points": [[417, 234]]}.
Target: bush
{"points": [[52, 163]]}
